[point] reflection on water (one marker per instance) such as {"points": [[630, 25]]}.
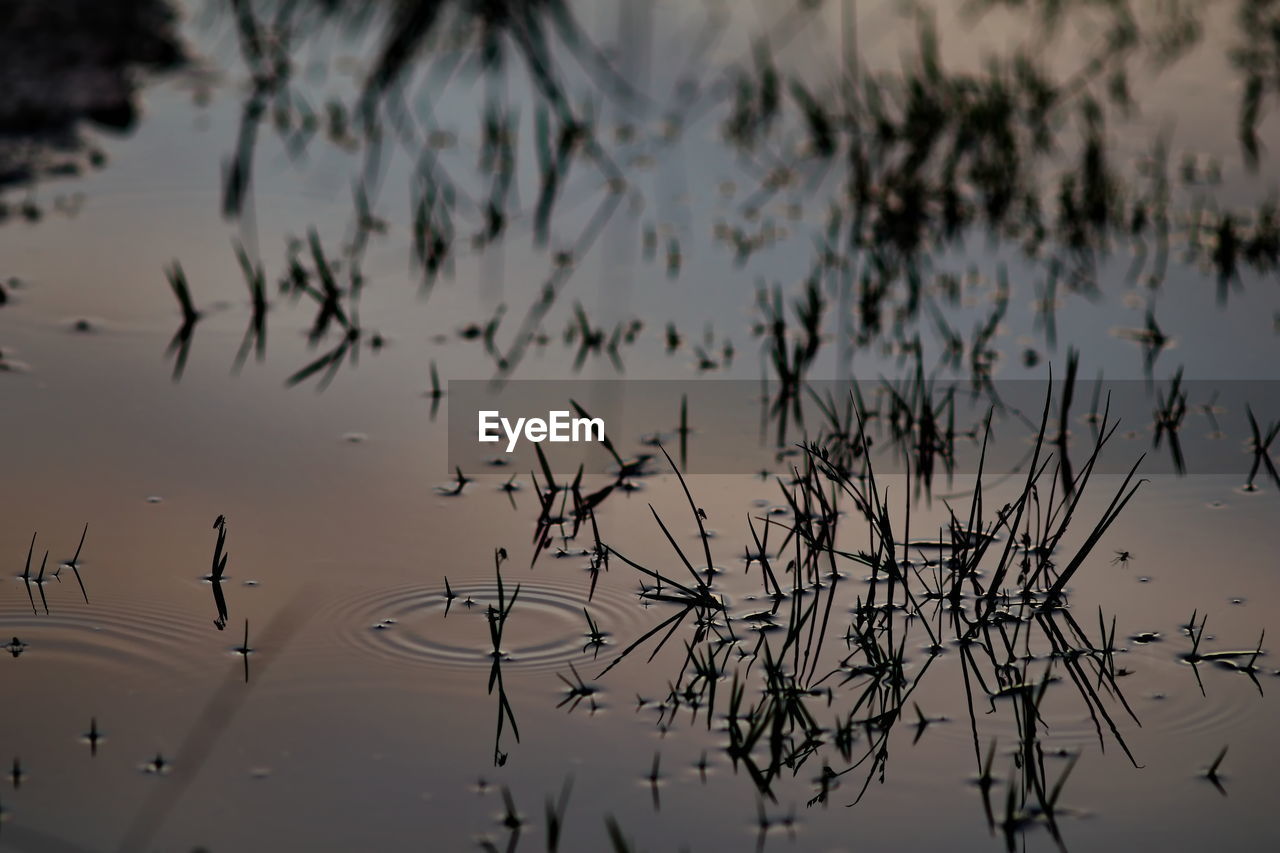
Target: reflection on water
{"points": [[935, 598], [897, 168], [66, 65]]}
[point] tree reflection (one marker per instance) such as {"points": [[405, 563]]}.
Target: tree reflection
{"points": [[66, 65]]}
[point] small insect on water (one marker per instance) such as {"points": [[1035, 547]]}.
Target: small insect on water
{"points": [[1122, 559]]}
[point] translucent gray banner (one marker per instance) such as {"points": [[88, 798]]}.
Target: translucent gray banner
{"points": [[744, 427]]}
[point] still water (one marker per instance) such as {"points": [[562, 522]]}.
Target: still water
{"points": [[246, 246]]}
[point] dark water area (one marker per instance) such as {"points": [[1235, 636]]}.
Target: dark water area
{"points": [[937, 348]]}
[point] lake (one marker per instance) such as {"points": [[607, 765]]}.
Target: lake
{"points": [[936, 350]]}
